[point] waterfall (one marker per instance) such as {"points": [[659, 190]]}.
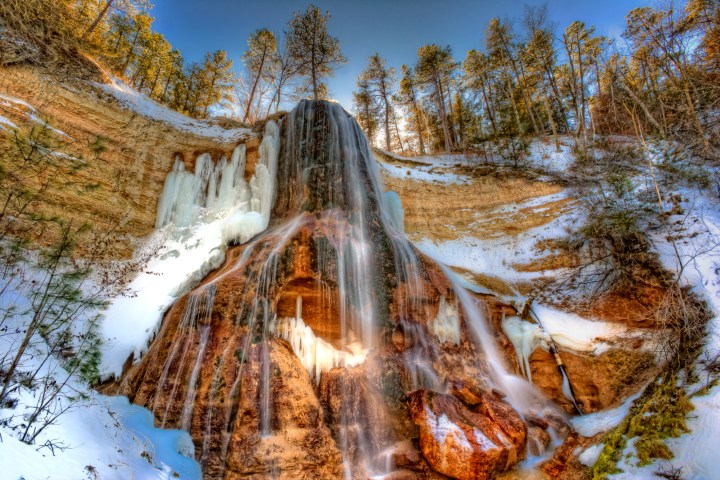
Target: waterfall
{"points": [[323, 273]]}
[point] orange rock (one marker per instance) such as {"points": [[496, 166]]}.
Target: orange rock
{"points": [[463, 444]]}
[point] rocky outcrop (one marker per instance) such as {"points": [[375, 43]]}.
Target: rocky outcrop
{"points": [[126, 155], [468, 444]]}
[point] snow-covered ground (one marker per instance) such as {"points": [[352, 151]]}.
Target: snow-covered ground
{"points": [[699, 248], [544, 156], [143, 105], [69, 430]]}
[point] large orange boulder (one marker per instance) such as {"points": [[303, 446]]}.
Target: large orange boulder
{"points": [[468, 444]]}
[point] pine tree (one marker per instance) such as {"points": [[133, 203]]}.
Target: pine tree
{"points": [[434, 70], [379, 81], [477, 70], [408, 96], [217, 80], [367, 109], [313, 49], [260, 61]]}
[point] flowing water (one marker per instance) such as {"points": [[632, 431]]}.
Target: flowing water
{"points": [[335, 277]]}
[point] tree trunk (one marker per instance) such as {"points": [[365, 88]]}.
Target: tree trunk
{"points": [[552, 122], [488, 107], [252, 91], [99, 17], [418, 125]]}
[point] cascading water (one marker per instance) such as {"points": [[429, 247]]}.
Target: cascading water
{"points": [[318, 347]]}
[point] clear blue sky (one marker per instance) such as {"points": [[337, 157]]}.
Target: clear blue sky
{"points": [[394, 28]]}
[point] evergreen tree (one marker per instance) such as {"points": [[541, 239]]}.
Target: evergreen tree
{"points": [[434, 70], [313, 49], [379, 81], [260, 61], [217, 80], [367, 109], [408, 97]]}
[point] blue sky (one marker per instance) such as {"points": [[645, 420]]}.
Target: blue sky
{"points": [[394, 28]]}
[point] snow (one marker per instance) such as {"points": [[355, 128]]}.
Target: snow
{"points": [[95, 437], [4, 123], [199, 214], [578, 333], [543, 156], [143, 105], [106, 435], [591, 454], [442, 427], [483, 441], [591, 424], [424, 173], [699, 252]]}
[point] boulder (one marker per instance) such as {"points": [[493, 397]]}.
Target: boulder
{"points": [[466, 444]]}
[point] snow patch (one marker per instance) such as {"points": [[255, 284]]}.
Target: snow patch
{"points": [[145, 106]]}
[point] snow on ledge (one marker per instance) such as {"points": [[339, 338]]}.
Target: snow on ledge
{"points": [[145, 106]]}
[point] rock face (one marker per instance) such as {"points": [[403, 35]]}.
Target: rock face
{"points": [[299, 356], [468, 444], [127, 154]]}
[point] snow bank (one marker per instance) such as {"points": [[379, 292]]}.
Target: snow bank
{"points": [[577, 333], [143, 105], [591, 424], [497, 255], [696, 451], [104, 435], [93, 436]]}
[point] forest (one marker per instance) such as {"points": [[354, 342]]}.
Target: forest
{"points": [[531, 77]]}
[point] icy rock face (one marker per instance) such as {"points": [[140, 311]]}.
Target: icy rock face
{"points": [[525, 337], [468, 444], [298, 353], [215, 189], [249, 219]]}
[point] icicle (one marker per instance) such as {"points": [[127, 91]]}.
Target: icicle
{"points": [[314, 353], [526, 337], [446, 325], [246, 221]]}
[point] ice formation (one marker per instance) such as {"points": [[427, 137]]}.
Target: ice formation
{"points": [[446, 325], [395, 210], [221, 189], [248, 219], [198, 214], [314, 353], [525, 337]]}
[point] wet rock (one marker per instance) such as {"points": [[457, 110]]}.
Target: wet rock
{"points": [[538, 440], [466, 444]]}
